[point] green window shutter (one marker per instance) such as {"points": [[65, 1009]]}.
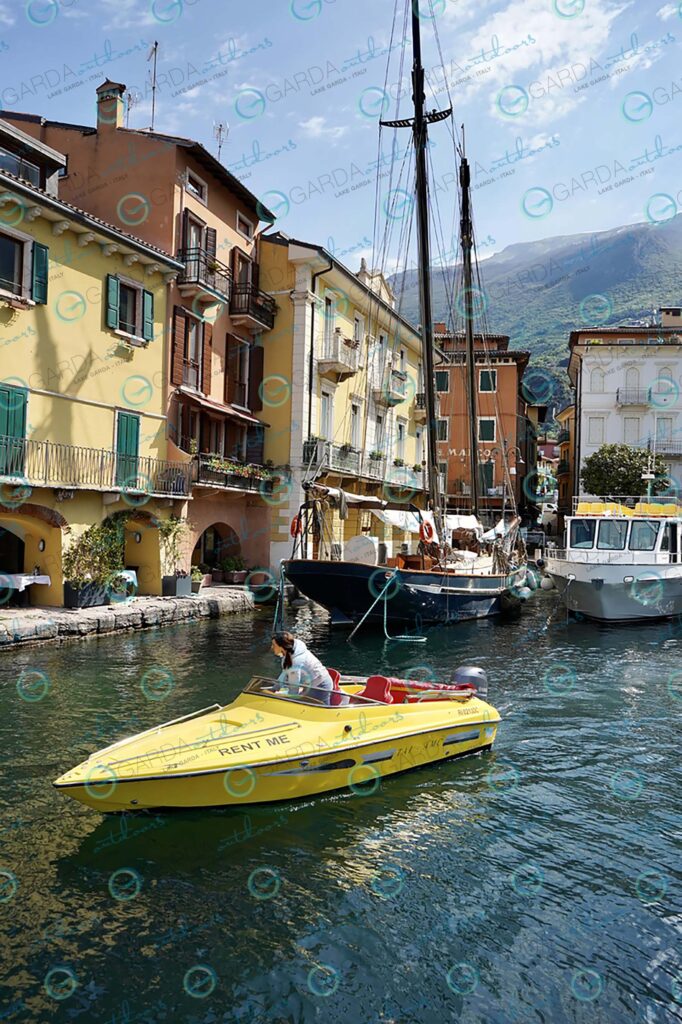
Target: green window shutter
{"points": [[127, 449], [40, 273], [147, 316], [113, 301], [12, 411]]}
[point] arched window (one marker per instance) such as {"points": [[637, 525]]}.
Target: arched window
{"points": [[632, 378], [597, 381]]}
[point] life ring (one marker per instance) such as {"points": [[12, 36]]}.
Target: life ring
{"points": [[426, 532], [296, 528]]}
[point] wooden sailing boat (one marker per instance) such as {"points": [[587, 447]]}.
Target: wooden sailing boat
{"points": [[433, 586]]}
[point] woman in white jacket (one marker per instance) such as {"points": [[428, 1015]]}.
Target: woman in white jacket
{"points": [[301, 672]]}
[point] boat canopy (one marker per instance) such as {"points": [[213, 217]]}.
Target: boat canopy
{"points": [[410, 522]]}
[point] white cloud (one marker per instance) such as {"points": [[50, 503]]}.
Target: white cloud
{"points": [[669, 11], [315, 128], [6, 16], [122, 14]]}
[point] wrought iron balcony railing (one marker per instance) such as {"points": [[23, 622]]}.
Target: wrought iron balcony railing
{"points": [[249, 301], [632, 396], [563, 467], [70, 467], [564, 435], [218, 472], [204, 270]]}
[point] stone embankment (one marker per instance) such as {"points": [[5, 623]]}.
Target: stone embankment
{"points": [[21, 627]]}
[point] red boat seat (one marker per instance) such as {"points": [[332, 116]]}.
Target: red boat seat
{"points": [[378, 688], [336, 696]]}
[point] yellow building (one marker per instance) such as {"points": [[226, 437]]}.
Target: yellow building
{"points": [[565, 470], [83, 328], [342, 391]]}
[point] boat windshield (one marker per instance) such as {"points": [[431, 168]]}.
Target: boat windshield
{"points": [[644, 534], [582, 533]]}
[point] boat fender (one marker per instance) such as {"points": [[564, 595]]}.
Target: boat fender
{"points": [[547, 583], [472, 675], [426, 533], [296, 526], [524, 593], [532, 579], [540, 563]]}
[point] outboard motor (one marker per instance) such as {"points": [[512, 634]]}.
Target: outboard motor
{"points": [[472, 676]]}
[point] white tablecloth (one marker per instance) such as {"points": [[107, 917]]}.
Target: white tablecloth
{"points": [[21, 580]]}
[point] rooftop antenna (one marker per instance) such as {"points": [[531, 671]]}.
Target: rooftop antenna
{"points": [[153, 52], [131, 99], [220, 132]]}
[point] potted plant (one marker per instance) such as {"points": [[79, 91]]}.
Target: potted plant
{"points": [[197, 578], [417, 468], [206, 577], [93, 563], [346, 447], [399, 462], [217, 574], [234, 570], [176, 582], [376, 455]]}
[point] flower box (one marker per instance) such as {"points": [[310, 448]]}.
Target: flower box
{"points": [[89, 595], [176, 586], [235, 576]]}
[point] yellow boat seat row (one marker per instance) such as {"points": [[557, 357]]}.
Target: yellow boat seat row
{"points": [[642, 508]]}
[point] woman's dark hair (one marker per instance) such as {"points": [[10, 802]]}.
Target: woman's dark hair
{"points": [[287, 641]]}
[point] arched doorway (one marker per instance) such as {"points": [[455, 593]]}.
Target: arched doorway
{"points": [[217, 542], [30, 539]]}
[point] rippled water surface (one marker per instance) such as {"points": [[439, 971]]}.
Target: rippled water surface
{"points": [[539, 882]]}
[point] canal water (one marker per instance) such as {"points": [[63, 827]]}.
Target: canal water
{"points": [[536, 883]]}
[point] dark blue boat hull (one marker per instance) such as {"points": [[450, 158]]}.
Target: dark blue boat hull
{"points": [[413, 598]]}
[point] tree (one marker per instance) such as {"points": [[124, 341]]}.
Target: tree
{"points": [[616, 469]]}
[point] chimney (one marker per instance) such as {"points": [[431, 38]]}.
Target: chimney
{"points": [[110, 106], [671, 316], [439, 328]]}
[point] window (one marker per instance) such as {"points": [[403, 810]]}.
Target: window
{"points": [[486, 428], [597, 381], [326, 429], [328, 323], [612, 534], [401, 441], [582, 533], [196, 186], [442, 434], [595, 430], [13, 402], [192, 354], [244, 226], [355, 425], [443, 473], [403, 366], [631, 429], [129, 308], [487, 380], [20, 167], [11, 264], [357, 328], [442, 381], [419, 447], [241, 370], [643, 535], [127, 449], [632, 379], [664, 428], [379, 433]]}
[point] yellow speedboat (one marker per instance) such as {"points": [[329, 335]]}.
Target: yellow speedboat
{"points": [[269, 745]]}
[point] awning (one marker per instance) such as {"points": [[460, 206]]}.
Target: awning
{"points": [[224, 408], [409, 522]]}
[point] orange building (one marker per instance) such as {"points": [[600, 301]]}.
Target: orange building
{"points": [[171, 192], [501, 423]]}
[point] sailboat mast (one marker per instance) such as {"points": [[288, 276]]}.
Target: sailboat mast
{"points": [[420, 137], [466, 232]]}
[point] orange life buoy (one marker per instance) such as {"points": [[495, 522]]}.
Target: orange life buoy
{"points": [[426, 532], [296, 526]]}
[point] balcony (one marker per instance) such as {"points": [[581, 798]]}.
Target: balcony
{"points": [[374, 468], [420, 407], [667, 446], [632, 396], [215, 471], [340, 357], [564, 436], [318, 454], [393, 389], [564, 467], [251, 308], [204, 277], [69, 467]]}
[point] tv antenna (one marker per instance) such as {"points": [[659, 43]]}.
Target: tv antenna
{"points": [[153, 52], [130, 99], [220, 132]]}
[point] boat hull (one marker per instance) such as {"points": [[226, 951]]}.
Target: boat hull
{"points": [[600, 592], [275, 750], [348, 590]]}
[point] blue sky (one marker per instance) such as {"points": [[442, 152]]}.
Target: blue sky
{"points": [[573, 108]]}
